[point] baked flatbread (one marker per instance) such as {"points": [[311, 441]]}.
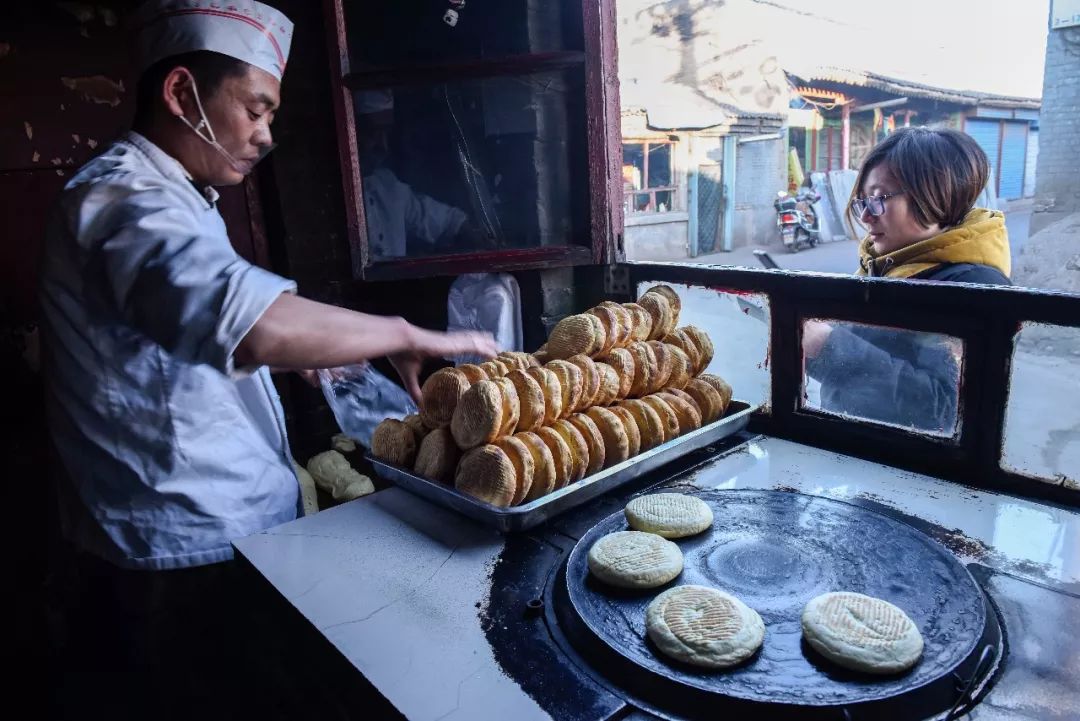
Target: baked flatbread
{"points": [[862, 633], [704, 626], [671, 515], [632, 559]]}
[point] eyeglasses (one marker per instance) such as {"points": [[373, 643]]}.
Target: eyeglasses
{"points": [[875, 204]]}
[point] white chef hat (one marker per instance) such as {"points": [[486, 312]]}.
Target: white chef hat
{"points": [[242, 29]]}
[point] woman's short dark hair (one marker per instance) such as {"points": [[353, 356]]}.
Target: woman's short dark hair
{"points": [[941, 171], [208, 68]]}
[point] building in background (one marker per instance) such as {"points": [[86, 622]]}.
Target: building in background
{"points": [[841, 113], [714, 95], [1057, 177], [703, 114]]}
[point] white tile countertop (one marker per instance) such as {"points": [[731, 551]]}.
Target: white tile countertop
{"points": [[399, 586]]}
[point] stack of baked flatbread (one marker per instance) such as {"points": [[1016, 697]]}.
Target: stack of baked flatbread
{"points": [[609, 383]]}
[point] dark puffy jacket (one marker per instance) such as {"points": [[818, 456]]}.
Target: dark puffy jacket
{"points": [[895, 376]]}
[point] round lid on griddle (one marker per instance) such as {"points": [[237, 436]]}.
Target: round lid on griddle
{"points": [[775, 551]]}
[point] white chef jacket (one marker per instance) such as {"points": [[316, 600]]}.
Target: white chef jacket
{"points": [[170, 452], [394, 212]]}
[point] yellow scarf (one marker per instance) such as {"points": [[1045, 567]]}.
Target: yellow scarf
{"points": [[981, 239]]}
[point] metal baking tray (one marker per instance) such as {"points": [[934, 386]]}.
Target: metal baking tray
{"points": [[525, 516]]}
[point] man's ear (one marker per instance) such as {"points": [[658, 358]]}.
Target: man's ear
{"points": [[176, 91]]}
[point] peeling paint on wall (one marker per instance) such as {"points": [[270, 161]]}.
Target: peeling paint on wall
{"points": [[75, 137], [97, 89], [29, 129], [91, 142], [108, 17], [56, 161], [35, 157]]}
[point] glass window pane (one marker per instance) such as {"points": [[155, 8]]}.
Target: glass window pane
{"points": [[664, 199], [738, 324], [633, 167], [488, 164], [1042, 417], [411, 32], [660, 165], [641, 202], [891, 376]]}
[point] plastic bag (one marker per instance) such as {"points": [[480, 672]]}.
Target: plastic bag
{"points": [[486, 302], [361, 398]]}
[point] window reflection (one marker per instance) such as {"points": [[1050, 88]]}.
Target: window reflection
{"points": [[473, 166], [1042, 416], [892, 376], [738, 323]]}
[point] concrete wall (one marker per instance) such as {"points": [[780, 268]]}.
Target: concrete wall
{"points": [[760, 172], [659, 239], [1057, 174]]}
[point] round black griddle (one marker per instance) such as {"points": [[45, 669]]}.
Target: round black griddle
{"points": [[776, 550]]}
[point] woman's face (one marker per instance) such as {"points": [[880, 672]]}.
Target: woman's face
{"points": [[896, 228]]}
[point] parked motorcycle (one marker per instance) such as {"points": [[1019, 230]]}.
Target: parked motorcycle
{"points": [[796, 219]]}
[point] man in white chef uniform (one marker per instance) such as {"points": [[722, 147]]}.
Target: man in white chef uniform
{"points": [[400, 220], [159, 338]]}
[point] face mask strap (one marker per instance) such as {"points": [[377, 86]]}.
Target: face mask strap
{"points": [[211, 139]]}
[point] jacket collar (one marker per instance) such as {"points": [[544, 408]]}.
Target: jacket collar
{"points": [[169, 166], [981, 239]]}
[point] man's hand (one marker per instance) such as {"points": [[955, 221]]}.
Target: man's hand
{"points": [[472, 237], [814, 334], [408, 366], [428, 344]]}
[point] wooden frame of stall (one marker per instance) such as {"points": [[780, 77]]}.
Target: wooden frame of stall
{"points": [[599, 61]]}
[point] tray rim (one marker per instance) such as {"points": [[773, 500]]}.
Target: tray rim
{"points": [[521, 517]]}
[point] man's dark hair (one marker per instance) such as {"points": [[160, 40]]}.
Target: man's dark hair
{"points": [[941, 171], [208, 68]]}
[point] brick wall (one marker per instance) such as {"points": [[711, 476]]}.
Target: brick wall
{"points": [[1057, 175]]}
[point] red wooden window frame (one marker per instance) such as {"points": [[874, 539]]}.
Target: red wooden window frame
{"points": [[603, 140]]}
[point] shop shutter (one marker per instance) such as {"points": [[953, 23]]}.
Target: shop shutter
{"points": [[987, 134], [1013, 150]]}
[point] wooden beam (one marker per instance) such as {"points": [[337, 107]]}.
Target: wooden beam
{"points": [[845, 136], [882, 104]]}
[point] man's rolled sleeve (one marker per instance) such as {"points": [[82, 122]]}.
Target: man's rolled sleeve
{"points": [[174, 275], [251, 290]]}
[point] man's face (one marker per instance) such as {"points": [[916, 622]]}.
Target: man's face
{"points": [[240, 112], [373, 139]]}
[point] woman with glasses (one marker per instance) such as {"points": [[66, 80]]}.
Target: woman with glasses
{"points": [[915, 196]]}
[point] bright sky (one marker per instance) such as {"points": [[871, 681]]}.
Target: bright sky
{"points": [[990, 45]]}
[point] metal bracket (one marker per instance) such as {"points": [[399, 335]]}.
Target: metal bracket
{"points": [[617, 280]]}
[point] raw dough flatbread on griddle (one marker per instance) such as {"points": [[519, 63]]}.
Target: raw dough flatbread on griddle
{"points": [[632, 559], [671, 515], [703, 626], [862, 633]]}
